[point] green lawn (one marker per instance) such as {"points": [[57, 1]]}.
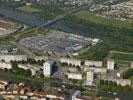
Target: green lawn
{"points": [[29, 9], [122, 62], [106, 98], [89, 93], [131, 78], [66, 8], [122, 56], [88, 16]]}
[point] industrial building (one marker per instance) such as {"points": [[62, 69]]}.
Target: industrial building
{"points": [[58, 42]]}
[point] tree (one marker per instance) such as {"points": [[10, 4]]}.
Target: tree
{"points": [[128, 74], [101, 82], [14, 65], [28, 72]]}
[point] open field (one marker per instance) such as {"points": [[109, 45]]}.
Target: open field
{"points": [[121, 56], [88, 16], [29, 9]]}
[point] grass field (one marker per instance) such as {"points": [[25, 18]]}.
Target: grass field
{"points": [[29, 9], [121, 56], [131, 78], [88, 16], [106, 98]]}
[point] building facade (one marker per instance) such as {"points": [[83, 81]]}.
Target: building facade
{"points": [[122, 82], [6, 65], [110, 64], [47, 69], [75, 62], [93, 63], [32, 68], [89, 77], [76, 76], [9, 58], [96, 69]]}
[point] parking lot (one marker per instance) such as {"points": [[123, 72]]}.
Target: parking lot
{"points": [[58, 42]]}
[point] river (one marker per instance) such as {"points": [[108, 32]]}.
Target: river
{"points": [[33, 21]]}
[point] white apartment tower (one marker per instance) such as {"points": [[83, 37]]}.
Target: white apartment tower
{"points": [[47, 69], [89, 77], [110, 64]]}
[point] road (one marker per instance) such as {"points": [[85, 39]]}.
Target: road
{"points": [[121, 95]]}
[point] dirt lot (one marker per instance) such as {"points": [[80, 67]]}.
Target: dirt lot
{"points": [[7, 27]]}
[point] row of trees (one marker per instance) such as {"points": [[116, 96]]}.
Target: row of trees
{"points": [[30, 61], [20, 71], [106, 82], [128, 74], [66, 64]]}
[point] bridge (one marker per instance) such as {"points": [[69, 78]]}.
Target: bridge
{"points": [[50, 22]]}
